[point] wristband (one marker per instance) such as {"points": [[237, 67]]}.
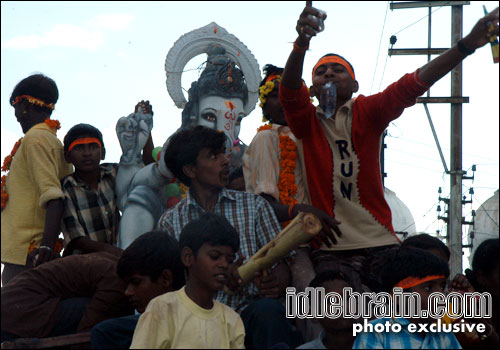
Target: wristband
{"points": [[44, 247], [463, 49], [290, 210], [300, 49]]}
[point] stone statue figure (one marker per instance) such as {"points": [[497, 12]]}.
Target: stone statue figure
{"points": [[226, 92], [217, 100]]}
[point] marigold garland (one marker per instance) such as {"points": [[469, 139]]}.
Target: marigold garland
{"points": [[54, 124], [6, 167], [286, 184], [34, 101], [265, 89], [265, 127]]}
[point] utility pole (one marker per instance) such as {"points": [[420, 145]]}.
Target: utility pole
{"points": [[454, 219]]}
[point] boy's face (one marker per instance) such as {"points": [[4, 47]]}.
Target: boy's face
{"points": [[273, 108], [210, 267], [141, 289], [336, 286], [85, 157], [211, 169], [424, 290], [339, 76], [23, 117]]}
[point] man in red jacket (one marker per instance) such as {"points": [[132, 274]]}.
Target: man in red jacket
{"points": [[341, 151]]}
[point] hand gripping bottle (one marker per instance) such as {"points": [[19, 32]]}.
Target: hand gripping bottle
{"points": [[328, 99]]}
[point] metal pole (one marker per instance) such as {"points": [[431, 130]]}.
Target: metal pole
{"points": [[436, 138], [455, 212], [429, 38]]}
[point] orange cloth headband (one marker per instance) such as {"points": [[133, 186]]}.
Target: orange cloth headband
{"points": [[334, 59], [411, 281], [84, 141], [272, 77], [34, 100]]}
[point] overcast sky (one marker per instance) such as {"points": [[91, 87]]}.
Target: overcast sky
{"points": [[106, 56]]}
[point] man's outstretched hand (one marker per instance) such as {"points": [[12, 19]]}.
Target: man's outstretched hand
{"points": [[480, 34], [308, 24], [329, 225]]}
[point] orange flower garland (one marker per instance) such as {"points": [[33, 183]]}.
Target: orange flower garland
{"points": [[54, 124], [288, 163], [265, 127], [6, 167]]}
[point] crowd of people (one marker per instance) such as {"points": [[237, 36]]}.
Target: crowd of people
{"points": [[177, 286]]}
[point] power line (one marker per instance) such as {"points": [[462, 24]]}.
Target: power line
{"points": [[439, 8], [393, 40], [379, 45]]}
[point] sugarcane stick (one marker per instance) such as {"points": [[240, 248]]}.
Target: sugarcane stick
{"points": [[300, 230]]}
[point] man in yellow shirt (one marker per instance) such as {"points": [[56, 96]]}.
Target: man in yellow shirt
{"points": [[31, 192], [190, 318]]}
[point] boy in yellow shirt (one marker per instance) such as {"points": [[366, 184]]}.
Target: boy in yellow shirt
{"points": [[31, 190], [190, 317]]}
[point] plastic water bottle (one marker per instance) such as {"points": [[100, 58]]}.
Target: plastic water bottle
{"points": [[328, 99]]}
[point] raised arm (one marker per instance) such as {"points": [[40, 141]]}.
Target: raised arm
{"points": [[307, 27], [478, 37], [147, 150]]}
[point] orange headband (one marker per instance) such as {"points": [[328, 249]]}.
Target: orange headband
{"points": [[411, 281], [334, 59], [84, 141], [272, 77], [34, 100]]}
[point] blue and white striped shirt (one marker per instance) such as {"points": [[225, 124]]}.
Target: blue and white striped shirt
{"points": [[404, 339], [251, 216]]}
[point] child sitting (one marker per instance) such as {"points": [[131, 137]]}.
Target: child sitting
{"points": [[190, 317], [413, 270], [150, 266], [337, 332]]}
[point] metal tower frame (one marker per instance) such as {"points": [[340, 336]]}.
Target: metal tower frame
{"points": [[454, 220]]}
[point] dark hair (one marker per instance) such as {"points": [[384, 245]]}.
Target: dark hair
{"points": [[209, 228], [221, 77], [342, 273], [268, 70], [38, 86], [149, 255], [410, 261], [334, 54], [80, 130], [426, 241], [485, 260], [185, 145]]}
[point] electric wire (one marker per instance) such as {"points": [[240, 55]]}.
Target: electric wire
{"points": [[379, 45]]}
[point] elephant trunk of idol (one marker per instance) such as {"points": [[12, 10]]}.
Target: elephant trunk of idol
{"points": [[300, 230]]}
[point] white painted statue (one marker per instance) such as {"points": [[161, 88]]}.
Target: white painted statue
{"points": [[226, 92]]}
